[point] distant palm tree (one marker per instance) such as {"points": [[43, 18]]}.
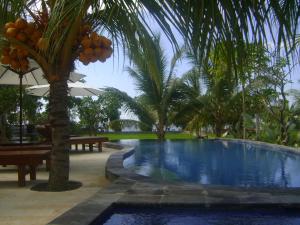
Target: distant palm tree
{"points": [[156, 83]]}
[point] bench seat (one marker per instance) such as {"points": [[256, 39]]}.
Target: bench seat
{"points": [[27, 147], [24, 159]]}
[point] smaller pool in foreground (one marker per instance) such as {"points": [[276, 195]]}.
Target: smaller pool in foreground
{"points": [[193, 216]]}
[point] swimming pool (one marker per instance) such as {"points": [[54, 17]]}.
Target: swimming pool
{"points": [[215, 162], [142, 215]]}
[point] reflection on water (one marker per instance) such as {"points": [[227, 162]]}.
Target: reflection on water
{"points": [[216, 162]]}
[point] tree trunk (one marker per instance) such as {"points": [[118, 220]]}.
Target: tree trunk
{"points": [[284, 136], [244, 111], [3, 137], [161, 129], [257, 127], [218, 129], [59, 120]]}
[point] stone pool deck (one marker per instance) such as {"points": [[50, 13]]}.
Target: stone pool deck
{"points": [[126, 192], [23, 206]]}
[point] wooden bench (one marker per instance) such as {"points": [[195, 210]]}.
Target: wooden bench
{"points": [[22, 159], [27, 147], [90, 140]]}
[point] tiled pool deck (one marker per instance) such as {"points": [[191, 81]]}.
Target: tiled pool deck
{"points": [[132, 189]]}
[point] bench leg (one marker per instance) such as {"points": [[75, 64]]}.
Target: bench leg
{"points": [[76, 147], [91, 147], [48, 164], [21, 175], [83, 147], [32, 172], [100, 146]]}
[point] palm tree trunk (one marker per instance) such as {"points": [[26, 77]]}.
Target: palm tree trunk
{"points": [[59, 120], [161, 129], [161, 133]]}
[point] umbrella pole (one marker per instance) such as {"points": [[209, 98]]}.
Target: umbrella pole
{"points": [[21, 110]]}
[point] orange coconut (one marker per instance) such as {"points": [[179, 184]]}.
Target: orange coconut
{"points": [[108, 52], [86, 28], [88, 51], [5, 51], [21, 37], [24, 62], [36, 36], [29, 29], [13, 54], [11, 32], [82, 57], [9, 25], [5, 59], [99, 52], [14, 64], [93, 58], [42, 43], [21, 23], [24, 69], [106, 42], [86, 42]]}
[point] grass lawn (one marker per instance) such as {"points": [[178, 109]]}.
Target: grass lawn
{"points": [[142, 135]]}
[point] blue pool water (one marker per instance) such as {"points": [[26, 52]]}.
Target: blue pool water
{"points": [[181, 216], [216, 162]]}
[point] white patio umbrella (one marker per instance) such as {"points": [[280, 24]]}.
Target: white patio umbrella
{"points": [[75, 89], [35, 76]]}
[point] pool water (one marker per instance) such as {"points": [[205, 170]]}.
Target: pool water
{"points": [[215, 162], [181, 216]]}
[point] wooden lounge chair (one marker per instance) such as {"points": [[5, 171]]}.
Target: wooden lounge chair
{"points": [[45, 131], [26, 161], [90, 140]]}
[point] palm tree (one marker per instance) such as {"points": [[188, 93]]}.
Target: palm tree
{"points": [[189, 110], [155, 82], [201, 23]]}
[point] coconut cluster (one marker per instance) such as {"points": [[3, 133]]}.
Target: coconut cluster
{"points": [[16, 58], [89, 46], [94, 47], [15, 55], [27, 33]]}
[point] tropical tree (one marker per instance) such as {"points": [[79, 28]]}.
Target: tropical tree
{"points": [[9, 107], [8, 103], [111, 106], [155, 82], [97, 115], [58, 23], [189, 109], [272, 88], [92, 116]]}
